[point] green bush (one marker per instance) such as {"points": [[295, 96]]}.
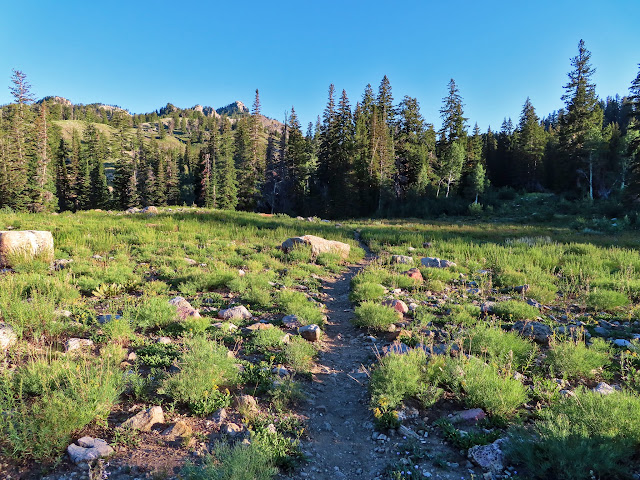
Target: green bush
{"points": [[158, 355], [44, 403], [296, 303], [506, 349], [364, 291], [513, 310], [149, 312], [585, 436], [602, 299], [237, 462], [573, 359], [205, 369], [481, 385], [375, 316], [299, 354], [268, 339]]}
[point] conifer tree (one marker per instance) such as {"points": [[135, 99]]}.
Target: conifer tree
{"points": [[452, 142], [298, 159], [248, 180], [227, 180], [412, 148], [632, 139], [64, 187], [530, 147], [581, 126], [42, 185]]}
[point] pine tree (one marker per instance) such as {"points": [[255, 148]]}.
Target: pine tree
{"points": [[64, 187], [581, 126], [530, 148], [451, 146], [632, 139], [327, 143], [94, 158], [298, 159], [42, 185], [412, 148], [227, 180], [248, 179]]}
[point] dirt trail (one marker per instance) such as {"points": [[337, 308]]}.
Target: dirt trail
{"points": [[340, 424]]}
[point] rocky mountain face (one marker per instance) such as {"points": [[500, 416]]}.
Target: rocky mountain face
{"points": [[235, 108]]}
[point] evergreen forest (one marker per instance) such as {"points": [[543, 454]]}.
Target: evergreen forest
{"points": [[379, 157]]}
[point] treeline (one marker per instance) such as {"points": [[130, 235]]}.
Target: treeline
{"points": [[378, 156]]}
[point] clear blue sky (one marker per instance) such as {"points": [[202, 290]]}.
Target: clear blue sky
{"points": [[141, 55]]}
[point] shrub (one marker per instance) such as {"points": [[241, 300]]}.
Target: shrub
{"points": [[573, 359], [504, 348], [375, 316], [364, 291], [118, 330], [268, 339], [205, 369], [585, 436], [296, 303], [299, 354], [397, 376], [602, 299], [514, 310], [149, 313], [158, 355], [480, 385], [237, 462], [48, 401]]}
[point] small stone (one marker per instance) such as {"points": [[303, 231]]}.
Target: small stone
{"points": [[472, 416], [311, 332], [8, 337], [280, 371], [401, 259], [247, 403], [291, 322], [74, 344], [488, 457], [164, 340], [190, 261], [184, 310], [415, 274], [232, 429], [432, 262], [102, 319], [89, 449], [604, 389], [537, 331], [219, 416], [397, 305], [178, 429], [621, 342], [145, 419], [238, 312]]}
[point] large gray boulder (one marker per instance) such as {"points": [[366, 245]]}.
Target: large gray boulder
{"points": [[239, 312], [318, 245], [30, 243]]}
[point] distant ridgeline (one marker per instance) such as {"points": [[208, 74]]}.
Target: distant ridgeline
{"points": [[378, 157]]}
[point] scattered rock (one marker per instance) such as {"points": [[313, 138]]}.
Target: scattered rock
{"points": [[145, 419], [88, 450], [603, 332], [604, 389], [177, 430], [248, 403], [61, 264], [415, 274], [184, 309], [538, 332], [150, 210], [62, 313], [398, 348], [621, 342], [190, 261], [74, 344], [398, 305], [257, 326], [8, 337], [232, 429], [280, 371], [488, 457], [318, 245], [310, 332], [219, 416], [291, 322], [30, 243], [432, 262], [132, 210], [521, 288], [487, 307], [225, 326], [164, 340], [401, 259], [472, 416], [238, 312], [102, 319]]}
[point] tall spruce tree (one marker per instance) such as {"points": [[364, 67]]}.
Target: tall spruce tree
{"points": [[298, 158], [452, 142], [64, 187], [632, 139], [227, 180], [530, 146], [581, 126], [412, 148]]}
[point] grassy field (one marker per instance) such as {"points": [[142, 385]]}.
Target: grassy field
{"points": [[528, 325]]}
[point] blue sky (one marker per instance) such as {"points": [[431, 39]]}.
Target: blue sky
{"points": [[141, 55]]}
